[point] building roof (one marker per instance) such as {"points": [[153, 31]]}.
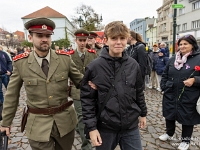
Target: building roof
{"points": [[19, 33], [45, 12]]}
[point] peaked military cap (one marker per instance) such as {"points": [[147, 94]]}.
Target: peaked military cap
{"points": [[92, 35], [40, 25], [81, 33]]}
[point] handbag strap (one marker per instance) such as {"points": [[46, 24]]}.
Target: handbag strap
{"points": [[114, 83]]}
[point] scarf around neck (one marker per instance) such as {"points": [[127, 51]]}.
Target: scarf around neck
{"points": [[178, 63]]}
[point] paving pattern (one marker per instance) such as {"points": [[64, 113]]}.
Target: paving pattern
{"points": [[149, 135]]}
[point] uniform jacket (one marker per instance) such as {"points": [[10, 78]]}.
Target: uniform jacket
{"points": [[138, 52], [89, 56], [184, 109], [126, 103], [42, 92]]}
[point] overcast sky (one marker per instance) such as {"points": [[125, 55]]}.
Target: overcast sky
{"points": [[11, 11]]}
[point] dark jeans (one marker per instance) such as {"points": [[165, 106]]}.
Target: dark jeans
{"points": [[128, 140], [187, 130], [3, 80]]}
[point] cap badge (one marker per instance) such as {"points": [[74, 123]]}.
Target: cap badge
{"points": [[82, 34], [44, 27]]}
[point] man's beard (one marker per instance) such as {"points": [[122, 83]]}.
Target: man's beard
{"points": [[43, 49]]}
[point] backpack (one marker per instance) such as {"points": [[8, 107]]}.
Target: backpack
{"points": [[149, 65]]}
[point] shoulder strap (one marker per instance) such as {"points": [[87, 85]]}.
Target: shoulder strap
{"points": [[114, 82]]}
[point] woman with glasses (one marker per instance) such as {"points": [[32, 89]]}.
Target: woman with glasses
{"points": [[180, 83]]}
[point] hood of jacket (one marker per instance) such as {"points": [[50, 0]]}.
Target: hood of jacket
{"points": [[105, 54]]}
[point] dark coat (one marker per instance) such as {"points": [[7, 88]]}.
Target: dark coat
{"points": [[160, 64], [154, 57], [5, 63], [126, 103], [184, 109], [138, 52]]}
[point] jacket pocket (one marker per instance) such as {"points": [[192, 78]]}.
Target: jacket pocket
{"points": [[168, 86], [29, 82], [61, 76]]}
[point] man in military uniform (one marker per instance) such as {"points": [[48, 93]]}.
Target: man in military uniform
{"points": [[91, 43], [44, 72], [81, 57]]}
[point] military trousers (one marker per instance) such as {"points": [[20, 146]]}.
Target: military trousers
{"points": [[55, 142], [86, 145]]}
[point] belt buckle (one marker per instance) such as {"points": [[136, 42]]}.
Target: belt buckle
{"points": [[50, 111]]}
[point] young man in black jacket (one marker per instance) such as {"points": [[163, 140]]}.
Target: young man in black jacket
{"points": [[118, 120]]}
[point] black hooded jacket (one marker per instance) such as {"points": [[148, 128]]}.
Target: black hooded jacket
{"points": [[126, 103], [138, 52]]}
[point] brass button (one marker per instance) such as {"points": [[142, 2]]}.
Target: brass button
{"points": [[62, 77], [29, 82], [47, 81], [50, 96]]}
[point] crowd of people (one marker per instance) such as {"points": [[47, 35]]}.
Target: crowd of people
{"points": [[107, 85]]}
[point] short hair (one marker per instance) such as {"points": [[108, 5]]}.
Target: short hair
{"points": [[136, 36], [116, 28], [163, 43]]}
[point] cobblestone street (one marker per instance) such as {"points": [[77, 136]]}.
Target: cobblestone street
{"points": [[149, 135]]}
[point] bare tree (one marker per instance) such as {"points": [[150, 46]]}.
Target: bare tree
{"points": [[91, 21]]}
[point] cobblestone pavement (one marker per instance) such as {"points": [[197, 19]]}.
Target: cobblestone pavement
{"points": [[149, 135]]}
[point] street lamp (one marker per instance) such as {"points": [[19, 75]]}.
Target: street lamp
{"points": [[101, 18], [80, 20], [15, 36], [7, 37], [98, 20], [174, 28]]}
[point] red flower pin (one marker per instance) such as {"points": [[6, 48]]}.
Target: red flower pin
{"points": [[197, 68]]}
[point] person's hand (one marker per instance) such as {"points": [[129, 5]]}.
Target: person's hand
{"points": [[189, 82], [142, 122], [7, 129], [92, 85], [8, 73], [95, 138]]}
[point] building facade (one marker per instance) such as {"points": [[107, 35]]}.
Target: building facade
{"points": [[139, 25], [188, 19], [165, 23], [151, 33], [63, 26]]}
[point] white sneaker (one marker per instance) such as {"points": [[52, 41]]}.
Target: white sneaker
{"points": [[158, 89], [150, 87], [183, 146], [164, 137]]}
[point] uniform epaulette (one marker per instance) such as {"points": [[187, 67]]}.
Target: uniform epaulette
{"points": [[21, 56], [91, 51], [71, 52], [62, 52]]}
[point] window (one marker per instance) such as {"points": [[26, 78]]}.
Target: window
{"points": [[195, 24], [196, 5], [164, 27], [181, 11], [178, 28], [184, 26]]}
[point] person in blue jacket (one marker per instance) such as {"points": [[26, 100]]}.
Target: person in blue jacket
{"points": [[160, 66], [5, 71]]}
